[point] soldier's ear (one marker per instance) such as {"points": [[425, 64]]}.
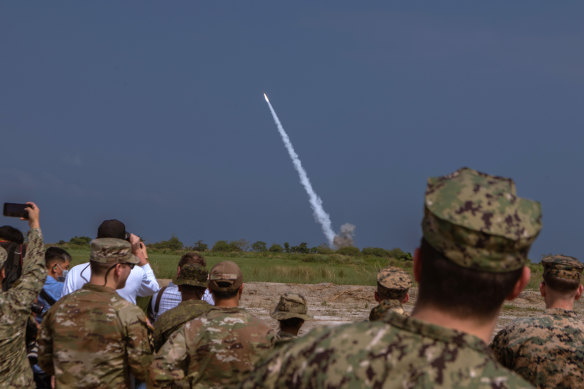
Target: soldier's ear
{"points": [[542, 290], [576, 297], [520, 284], [406, 298]]}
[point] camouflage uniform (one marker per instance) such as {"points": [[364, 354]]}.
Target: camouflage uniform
{"points": [[547, 350], [216, 349], [15, 370], [94, 338], [474, 220], [392, 285], [173, 319], [291, 305]]}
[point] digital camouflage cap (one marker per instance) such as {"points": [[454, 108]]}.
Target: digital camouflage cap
{"points": [[3, 257], [111, 250], [225, 276], [193, 275], [477, 221], [563, 267], [393, 283], [291, 305]]}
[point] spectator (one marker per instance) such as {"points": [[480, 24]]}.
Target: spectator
{"points": [[15, 368], [92, 338], [169, 297], [291, 312], [141, 282], [57, 262], [393, 285]]}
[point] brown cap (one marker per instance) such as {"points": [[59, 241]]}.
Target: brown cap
{"points": [[193, 275], [112, 228], [110, 250], [563, 267], [225, 277]]}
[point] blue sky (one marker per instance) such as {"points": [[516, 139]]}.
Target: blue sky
{"points": [[153, 113]]}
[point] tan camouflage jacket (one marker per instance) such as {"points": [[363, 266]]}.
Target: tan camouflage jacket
{"points": [[379, 311], [398, 352], [547, 350], [94, 338], [283, 338], [15, 370], [174, 318], [214, 350]]}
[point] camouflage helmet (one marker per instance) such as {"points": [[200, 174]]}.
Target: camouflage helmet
{"points": [[112, 251], [291, 305], [3, 257], [563, 267], [477, 221], [193, 275], [225, 276], [384, 307], [393, 283]]}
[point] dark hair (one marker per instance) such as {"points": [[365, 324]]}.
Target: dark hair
{"points": [[198, 291], [292, 322], [112, 228], [11, 234], [561, 285], [224, 295], [460, 291], [98, 268], [56, 254], [193, 258]]}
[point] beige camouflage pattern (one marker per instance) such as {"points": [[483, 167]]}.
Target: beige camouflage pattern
{"points": [[225, 272], [3, 256], [563, 267], [216, 349], [291, 305], [399, 352], [283, 337], [378, 312], [193, 275], [94, 338], [477, 221], [111, 250], [547, 350], [392, 282], [174, 318], [15, 370]]}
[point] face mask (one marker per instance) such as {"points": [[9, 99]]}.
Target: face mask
{"points": [[62, 277]]}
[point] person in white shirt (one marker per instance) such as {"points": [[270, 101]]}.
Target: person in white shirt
{"points": [[141, 281], [170, 296]]}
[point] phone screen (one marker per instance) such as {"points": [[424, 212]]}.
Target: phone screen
{"points": [[15, 210]]}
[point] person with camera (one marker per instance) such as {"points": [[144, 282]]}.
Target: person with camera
{"points": [[15, 306], [141, 282]]}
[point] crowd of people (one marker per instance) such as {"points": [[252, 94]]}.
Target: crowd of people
{"points": [[476, 235]]}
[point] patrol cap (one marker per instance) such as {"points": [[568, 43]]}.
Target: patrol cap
{"points": [[3, 257], [111, 250], [477, 221], [193, 275], [291, 305], [562, 266], [393, 282], [225, 277]]}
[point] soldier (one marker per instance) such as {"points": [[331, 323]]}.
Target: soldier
{"points": [[15, 369], [93, 337], [393, 285], [291, 314], [218, 348], [192, 283], [548, 350], [476, 235]]}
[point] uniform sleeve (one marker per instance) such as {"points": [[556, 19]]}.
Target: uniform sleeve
{"points": [[45, 342], [139, 345], [169, 366], [149, 284], [501, 350]]}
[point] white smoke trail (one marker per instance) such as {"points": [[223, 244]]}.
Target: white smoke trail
{"points": [[315, 202]]}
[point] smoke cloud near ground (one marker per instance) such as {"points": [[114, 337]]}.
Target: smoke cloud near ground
{"points": [[345, 237]]}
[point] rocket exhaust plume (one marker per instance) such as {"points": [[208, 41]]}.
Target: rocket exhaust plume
{"points": [[345, 237], [315, 201]]}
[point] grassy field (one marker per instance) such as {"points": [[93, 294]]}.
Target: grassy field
{"points": [[289, 268]]}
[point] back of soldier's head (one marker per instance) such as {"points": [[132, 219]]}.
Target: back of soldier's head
{"points": [[562, 273], [225, 280], [476, 236], [393, 283]]}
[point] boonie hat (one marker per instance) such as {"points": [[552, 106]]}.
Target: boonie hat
{"points": [[193, 275], [562, 266], [291, 305], [225, 277], [477, 221], [3, 256], [112, 228], [393, 282], [111, 250]]}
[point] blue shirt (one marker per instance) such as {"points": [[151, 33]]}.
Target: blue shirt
{"points": [[54, 289]]}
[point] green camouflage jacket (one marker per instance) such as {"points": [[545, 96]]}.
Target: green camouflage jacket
{"points": [[547, 350], [15, 370], [174, 318], [214, 350], [94, 338], [398, 352]]}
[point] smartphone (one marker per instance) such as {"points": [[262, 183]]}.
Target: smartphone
{"points": [[16, 210]]}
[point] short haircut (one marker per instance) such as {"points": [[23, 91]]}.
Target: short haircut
{"points": [[191, 289], [100, 269], [561, 285], [56, 254], [461, 291], [11, 234], [193, 258], [224, 295], [292, 322]]}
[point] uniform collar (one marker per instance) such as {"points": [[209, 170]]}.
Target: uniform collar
{"points": [[98, 288]]}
